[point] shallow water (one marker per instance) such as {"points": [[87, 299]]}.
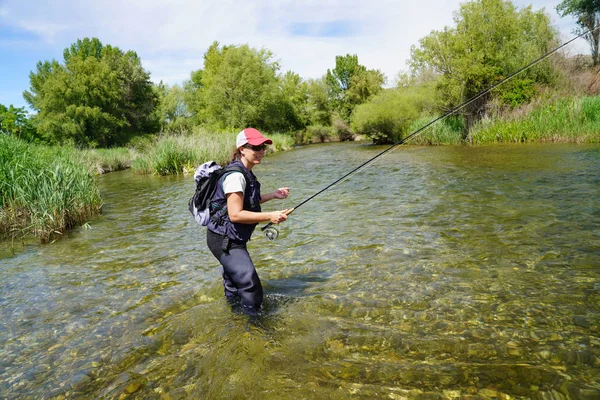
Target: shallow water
{"points": [[436, 272]]}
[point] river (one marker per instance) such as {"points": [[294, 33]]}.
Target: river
{"points": [[434, 273]]}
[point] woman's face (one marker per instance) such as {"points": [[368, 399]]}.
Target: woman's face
{"points": [[253, 154]]}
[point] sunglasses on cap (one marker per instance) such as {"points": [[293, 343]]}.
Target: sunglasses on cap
{"points": [[256, 148]]}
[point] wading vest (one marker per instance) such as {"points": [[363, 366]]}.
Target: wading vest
{"points": [[220, 222]]}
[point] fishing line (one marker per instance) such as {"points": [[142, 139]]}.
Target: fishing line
{"points": [[272, 233]]}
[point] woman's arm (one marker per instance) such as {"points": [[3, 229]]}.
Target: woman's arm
{"points": [[281, 193], [236, 212]]}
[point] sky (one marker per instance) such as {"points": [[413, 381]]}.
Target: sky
{"points": [[171, 37]]}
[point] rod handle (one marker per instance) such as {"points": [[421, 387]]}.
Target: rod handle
{"points": [[287, 212]]}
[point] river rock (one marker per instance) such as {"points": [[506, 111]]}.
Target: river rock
{"points": [[581, 321]]}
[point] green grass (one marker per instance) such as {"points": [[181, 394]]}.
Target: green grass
{"points": [[574, 120], [445, 131], [43, 190], [180, 154], [108, 160], [566, 120]]}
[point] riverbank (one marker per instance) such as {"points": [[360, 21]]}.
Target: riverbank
{"points": [[573, 120], [47, 190]]}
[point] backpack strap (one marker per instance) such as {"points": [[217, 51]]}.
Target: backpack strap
{"points": [[217, 214], [235, 168]]}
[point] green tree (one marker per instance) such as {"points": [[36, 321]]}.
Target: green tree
{"points": [[290, 109], [172, 110], [319, 107], [351, 84], [587, 15], [100, 96], [491, 40], [14, 121], [194, 95], [238, 87]]}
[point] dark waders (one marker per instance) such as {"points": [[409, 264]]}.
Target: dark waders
{"points": [[240, 279]]}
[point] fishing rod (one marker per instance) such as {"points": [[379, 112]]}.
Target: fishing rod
{"points": [[272, 233]]}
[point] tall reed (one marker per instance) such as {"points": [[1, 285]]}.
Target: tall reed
{"points": [[180, 154], [108, 160], [567, 120], [446, 131], [43, 190]]}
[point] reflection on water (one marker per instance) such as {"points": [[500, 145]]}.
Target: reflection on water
{"points": [[437, 272]]}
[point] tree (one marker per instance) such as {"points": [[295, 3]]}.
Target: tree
{"points": [[587, 15], [100, 96], [351, 84], [237, 87], [363, 85], [14, 121], [491, 40], [292, 106], [319, 108], [172, 110]]}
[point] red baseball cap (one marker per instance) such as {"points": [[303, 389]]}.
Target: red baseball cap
{"points": [[251, 136]]}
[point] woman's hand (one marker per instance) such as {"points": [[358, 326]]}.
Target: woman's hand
{"points": [[277, 217], [281, 193]]}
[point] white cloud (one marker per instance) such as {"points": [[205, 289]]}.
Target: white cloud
{"points": [[171, 37]]}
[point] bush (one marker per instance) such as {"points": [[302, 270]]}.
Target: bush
{"points": [[386, 117], [317, 134], [342, 130]]}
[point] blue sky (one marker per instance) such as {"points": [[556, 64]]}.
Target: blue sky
{"points": [[171, 36]]}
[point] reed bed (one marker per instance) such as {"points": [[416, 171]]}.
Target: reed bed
{"points": [[446, 131], [181, 154], [102, 161], [43, 190], [567, 120]]}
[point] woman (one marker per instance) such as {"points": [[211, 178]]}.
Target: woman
{"points": [[237, 199]]}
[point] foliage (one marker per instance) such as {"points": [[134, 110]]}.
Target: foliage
{"points": [[386, 117], [14, 121], [517, 92], [239, 87], [564, 120], [317, 134], [351, 84], [43, 190], [319, 108], [102, 161], [170, 158], [281, 142], [181, 154], [491, 40], [172, 110], [342, 130], [293, 102], [100, 96], [587, 16], [446, 131]]}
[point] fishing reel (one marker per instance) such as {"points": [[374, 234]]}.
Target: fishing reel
{"points": [[271, 233]]}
